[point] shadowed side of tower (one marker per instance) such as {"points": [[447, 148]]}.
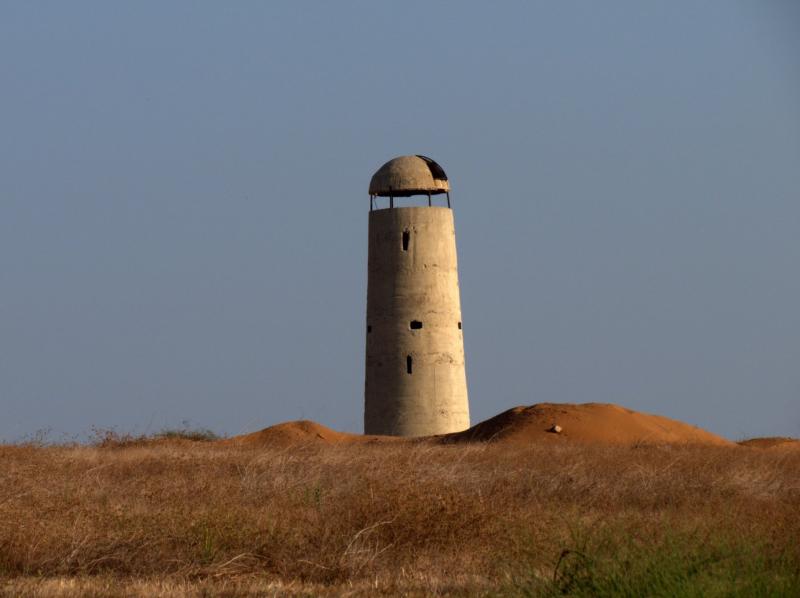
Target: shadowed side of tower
{"points": [[415, 383]]}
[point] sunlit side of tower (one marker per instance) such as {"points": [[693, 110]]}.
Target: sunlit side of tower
{"points": [[415, 380]]}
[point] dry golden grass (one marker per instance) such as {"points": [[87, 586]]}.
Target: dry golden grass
{"points": [[184, 518]]}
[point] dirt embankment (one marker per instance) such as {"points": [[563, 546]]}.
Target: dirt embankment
{"points": [[771, 442], [589, 423], [304, 432]]}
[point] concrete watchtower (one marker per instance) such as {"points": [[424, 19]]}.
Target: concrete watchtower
{"points": [[415, 383]]}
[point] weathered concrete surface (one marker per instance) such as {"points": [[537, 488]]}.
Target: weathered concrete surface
{"points": [[417, 284], [409, 175]]}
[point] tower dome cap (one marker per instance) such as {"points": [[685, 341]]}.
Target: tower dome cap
{"points": [[409, 175]]}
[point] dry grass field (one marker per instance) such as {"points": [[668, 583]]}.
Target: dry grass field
{"points": [[173, 517]]}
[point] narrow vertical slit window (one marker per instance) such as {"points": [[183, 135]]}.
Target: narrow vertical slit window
{"points": [[459, 325], [406, 237], [369, 328], [409, 363]]}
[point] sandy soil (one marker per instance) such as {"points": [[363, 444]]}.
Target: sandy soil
{"points": [[589, 423], [771, 442]]}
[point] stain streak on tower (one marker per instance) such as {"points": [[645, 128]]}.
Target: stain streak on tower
{"points": [[415, 382]]}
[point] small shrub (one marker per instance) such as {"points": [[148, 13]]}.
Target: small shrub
{"points": [[198, 434]]}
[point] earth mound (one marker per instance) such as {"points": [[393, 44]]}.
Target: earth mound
{"points": [[590, 423], [303, 432], [771, 442]]}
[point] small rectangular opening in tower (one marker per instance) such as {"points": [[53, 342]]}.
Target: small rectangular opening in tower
{"points": [[459, 325], [406, 237], [415, 325], [408, 364], [369, 328]]}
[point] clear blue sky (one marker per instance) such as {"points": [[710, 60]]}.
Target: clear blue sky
{"points": [[183, 205]]}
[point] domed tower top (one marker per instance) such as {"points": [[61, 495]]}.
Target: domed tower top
{"points": [[405, 176]]}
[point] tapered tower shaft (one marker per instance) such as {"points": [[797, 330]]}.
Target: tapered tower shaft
{"points": [[415, 383]]}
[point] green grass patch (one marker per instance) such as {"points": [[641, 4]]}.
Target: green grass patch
{"points": [[613, 563]]}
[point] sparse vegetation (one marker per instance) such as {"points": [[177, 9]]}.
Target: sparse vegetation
{"points": [[186, 433], [212, 518], [111, 438]]}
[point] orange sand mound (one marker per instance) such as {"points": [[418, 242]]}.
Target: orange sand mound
{"points": [[585, 423], [771, 442], [590, 423], [303, 432]]}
